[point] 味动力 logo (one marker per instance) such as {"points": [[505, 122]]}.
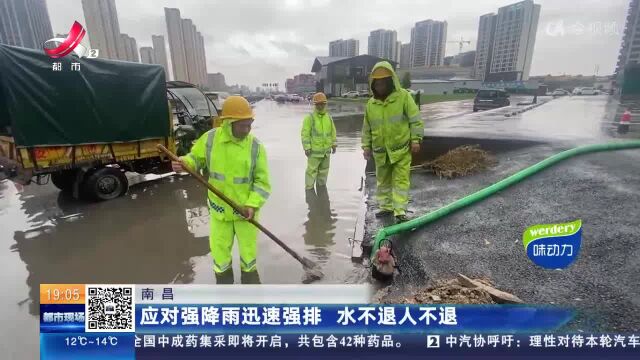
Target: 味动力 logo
{"points": [[553, 246]]}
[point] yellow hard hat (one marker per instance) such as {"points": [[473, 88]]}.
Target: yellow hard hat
{"points": [[381, 73], [319, 98], [236, 108]]}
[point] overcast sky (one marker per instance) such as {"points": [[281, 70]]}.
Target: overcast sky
{"points": [[252, 42]]}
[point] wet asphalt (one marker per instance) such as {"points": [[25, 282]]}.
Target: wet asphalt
{"points": [[158, 232], [484, 240]]}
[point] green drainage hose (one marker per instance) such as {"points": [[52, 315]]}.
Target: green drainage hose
{"points": [[499, 186]]}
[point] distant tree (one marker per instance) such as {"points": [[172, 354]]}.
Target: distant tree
{"points": [[406, 80]]}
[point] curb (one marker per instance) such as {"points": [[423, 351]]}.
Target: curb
{"points": [[520, 111]]}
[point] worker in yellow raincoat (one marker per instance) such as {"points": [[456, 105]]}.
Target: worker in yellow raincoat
{"points": [[318, 141], [236, 164], [391, 132]]}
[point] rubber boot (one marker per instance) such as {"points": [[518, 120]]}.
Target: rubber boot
{"points": [[225, 277], [250, 277]]}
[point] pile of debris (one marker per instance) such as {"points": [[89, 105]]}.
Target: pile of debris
{"points": [[461, 290], [461, 161]]}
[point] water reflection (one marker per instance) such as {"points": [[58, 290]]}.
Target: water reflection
{"points": [[320, 225], [134, 243]]}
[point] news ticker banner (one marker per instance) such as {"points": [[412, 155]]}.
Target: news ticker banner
{"points": [[79, 321]]}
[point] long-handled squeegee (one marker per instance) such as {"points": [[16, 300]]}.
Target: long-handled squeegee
{"points": [[311, 268]]}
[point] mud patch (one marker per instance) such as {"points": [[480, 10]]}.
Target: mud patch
{"points": [[450, 291], [461, 161]]}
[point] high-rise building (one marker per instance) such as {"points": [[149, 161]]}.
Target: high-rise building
{"points": [[127, 54], [464, 59], [147, 55], [382, 43], [349, 47], [103, 28], [176, 44], [335, 48], [130, 48], [216, 82], [160, 53], [202, 59], [189, 36], [513, 42], [484, 46], [630, 48], [398, 51], [405, 56], [24, 23], [133, 45], [186, 45], [428, 43]]}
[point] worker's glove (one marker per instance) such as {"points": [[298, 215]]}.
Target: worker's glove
{"points": [[366, 153], [333, 149], [307, 152], [415, 148]]}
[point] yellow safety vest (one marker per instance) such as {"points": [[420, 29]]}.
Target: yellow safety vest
{"points": [[238, 168], [318, 134]]}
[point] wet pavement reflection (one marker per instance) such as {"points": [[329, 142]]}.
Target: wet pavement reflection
{"points": [[571, 119], [319, 229], [158, 232]]}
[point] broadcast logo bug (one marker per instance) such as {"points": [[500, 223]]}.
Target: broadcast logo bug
{"points": [[75, 43]]}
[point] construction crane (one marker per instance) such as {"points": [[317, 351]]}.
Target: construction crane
{"points": [[461, 43]]}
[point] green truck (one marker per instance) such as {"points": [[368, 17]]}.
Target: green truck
{"points": [[83, 126]]}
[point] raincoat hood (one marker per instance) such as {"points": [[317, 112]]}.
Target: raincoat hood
{"points": [[394, 76]]}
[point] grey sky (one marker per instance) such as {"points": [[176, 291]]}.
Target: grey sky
{"points": [[253, 42]]}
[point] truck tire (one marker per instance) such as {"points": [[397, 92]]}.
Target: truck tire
{"points": [[64, 179], [105, 184]]}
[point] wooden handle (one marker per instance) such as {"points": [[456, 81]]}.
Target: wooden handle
{"points": [[172, 156]]}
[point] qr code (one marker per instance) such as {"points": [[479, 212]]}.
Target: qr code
{"points": [[110, 308]]}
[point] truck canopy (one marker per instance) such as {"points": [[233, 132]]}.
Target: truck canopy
{"points": [[105, 101]]}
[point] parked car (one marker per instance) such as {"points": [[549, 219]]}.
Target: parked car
{"points": [[588, 91], [295, 98], [490, 99], [559, 92], [363, 93], [350, 94]]}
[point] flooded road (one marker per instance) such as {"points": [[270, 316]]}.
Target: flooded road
{"points": [[576, 119], [158, 232]]}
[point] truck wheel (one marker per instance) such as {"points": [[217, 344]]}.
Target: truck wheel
{"points": [[106, 184], [64, 179]]}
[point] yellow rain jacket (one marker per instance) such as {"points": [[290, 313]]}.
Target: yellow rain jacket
{"points": [[391, 125], [318, 133], [238, 168]]}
